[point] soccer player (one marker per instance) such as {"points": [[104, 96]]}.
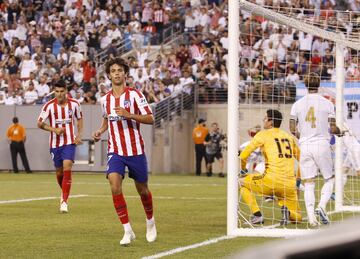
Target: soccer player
{"points": [[310, 119], [62, 112], [280, 151], [124, 108]]}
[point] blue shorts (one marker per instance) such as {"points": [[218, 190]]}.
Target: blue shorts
{"points": [[62, 153], [137, 166]]}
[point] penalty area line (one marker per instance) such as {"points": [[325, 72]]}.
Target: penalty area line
{"points": [[40, 199], [184, 248]]}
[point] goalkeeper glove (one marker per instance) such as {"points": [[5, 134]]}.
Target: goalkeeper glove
{"points": [[243, 172]]}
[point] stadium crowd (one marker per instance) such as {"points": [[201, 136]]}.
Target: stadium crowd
{"points": [[43, 41]]}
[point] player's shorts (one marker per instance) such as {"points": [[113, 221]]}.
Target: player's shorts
{"points": [[315, 156], [260, 168], [59, 154], [137, 166], [210, 158]]}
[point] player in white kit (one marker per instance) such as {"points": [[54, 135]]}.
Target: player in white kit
{"points": [[310, 118]]}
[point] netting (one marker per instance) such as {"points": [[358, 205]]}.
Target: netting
{"points": [[274, 58]]}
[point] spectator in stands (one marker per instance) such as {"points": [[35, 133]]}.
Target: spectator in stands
{"points": [[16, 135], [31, 95]]}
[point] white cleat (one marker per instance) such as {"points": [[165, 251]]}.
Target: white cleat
{"points": [[127, 238], [63, 207], [151, 232], [314, 223]]}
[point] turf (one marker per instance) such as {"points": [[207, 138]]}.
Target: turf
{"points": [[188, 210]]}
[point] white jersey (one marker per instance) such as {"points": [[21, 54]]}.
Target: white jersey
{"points": [[124, 134], [352, 146], [312, 113], [61, 116], [255, 161]]}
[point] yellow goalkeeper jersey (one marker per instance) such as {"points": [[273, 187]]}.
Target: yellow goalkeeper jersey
{"points": [[280, 151]]}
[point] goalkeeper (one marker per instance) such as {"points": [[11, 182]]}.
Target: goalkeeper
{"points": [[280, 151]]}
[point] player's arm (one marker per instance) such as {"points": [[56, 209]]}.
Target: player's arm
{"points": [[79, 126], [293, 127], [42, 125], [104, 127]]}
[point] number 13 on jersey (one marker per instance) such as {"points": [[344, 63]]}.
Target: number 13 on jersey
{"points": [[310, 117]]}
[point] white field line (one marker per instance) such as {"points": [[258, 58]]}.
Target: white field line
{"points": [[41, 199], [184, 248], [127, 183]]}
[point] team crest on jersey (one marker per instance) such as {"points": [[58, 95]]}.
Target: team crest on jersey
{"points": [[127, 103]]}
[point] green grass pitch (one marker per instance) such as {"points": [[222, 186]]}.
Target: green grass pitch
{"points": [[188, 210]]}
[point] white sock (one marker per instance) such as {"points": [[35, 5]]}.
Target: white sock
{"points": [[309, 196], [326, 192], [150, 221], [127, 227]]}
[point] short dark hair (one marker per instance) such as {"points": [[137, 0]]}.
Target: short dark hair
{"points": [[15, 120], [118, 61], [312, 81], [60, 83], [275, 116]]}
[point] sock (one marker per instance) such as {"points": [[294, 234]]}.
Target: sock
{"points": [[59, 179], [326, 192], [148, 206], [258, 214], [121, 208], [309, 196], [249, 199], [66, 185], [344, 180]]}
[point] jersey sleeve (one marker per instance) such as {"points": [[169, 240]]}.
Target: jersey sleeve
{"points": [[142, 104], [44, 114], [255, 143]]}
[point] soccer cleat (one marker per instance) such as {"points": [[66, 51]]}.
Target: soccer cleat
{"points": [[221, 174], [269, 199], [127, 238], [332, 197], [322, 214], [314, 223], [256, 220], [151, 232], [285, 216], [63, 207]]}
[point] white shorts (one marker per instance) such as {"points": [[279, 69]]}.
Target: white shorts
{"points": [[260, 168], [315, 156], [352, 159]]}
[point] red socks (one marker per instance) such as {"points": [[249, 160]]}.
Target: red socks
{"points": [[66, 185], [121, 208], [148, 206]]}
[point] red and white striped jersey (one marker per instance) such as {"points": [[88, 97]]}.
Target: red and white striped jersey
{"points": [[61, 116], [124, 134]]}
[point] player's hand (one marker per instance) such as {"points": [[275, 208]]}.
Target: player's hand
{"points": [[122, 112], [96, 135], [78, 140], [59, 131], [243, 172]]}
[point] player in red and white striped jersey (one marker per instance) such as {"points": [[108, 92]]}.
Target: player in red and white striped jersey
{"points": [[124, 108], [61, 113]]}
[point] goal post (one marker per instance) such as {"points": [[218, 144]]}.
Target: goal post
{"points": [[236, 129]]}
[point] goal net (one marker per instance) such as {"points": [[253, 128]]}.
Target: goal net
{"points": [[278, 47]]}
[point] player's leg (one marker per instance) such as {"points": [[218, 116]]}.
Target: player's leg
{"points": [[59, 175], [198, 157], [139, 172], [115, 174], [248, 186], [325, 164], [67, 156], [308, 174], [290, 202]]}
